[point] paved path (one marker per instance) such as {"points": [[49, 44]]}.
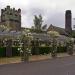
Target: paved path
{"points": [[57, 66]]}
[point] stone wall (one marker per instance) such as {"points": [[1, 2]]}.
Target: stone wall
{"points": [[11, 17]]}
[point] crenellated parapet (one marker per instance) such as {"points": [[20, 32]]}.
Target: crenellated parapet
{"points": [[12, 17]]}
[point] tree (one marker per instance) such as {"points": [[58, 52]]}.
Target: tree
{"points": [[70, 47], [44, 27], [53, 35], [26, 42], [38, 22]]}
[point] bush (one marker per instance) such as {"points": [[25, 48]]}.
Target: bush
{"points": [[41, 50], [15, 51], [47, 50], [61, 49], [2, 51], [34, 50]]}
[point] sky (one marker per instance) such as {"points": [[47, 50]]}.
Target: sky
{"points": [[52, 11]]}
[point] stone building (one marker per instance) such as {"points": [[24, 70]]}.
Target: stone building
{"points": [[11, 18], [61, 31], [68, 22]]}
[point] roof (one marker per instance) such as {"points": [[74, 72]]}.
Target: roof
{"points": [[47, 38], [41, 36], [11, 34], [58, 29]]}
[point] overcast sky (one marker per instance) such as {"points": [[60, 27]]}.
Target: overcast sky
{"points": [[53, 11]]}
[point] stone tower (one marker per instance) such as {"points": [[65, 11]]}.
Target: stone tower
{"points": [[68, 22], [11, 17]]}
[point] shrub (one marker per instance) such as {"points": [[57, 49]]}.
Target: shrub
{"points": [[61, 49], [15, 51], [34, 50], [47, 50], [2, 51], [41, 50]]}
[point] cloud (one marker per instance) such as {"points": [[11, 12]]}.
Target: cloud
{"points": [[28, 19], [52, 10], [57, 19]]}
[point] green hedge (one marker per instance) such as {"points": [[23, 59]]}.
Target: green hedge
{"points": [[34, 50], [15, 51], [61, 49], [40, 50], [46, 50], [2, 51]]}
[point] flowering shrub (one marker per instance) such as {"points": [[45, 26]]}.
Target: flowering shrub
{"points": [[70, 47]]}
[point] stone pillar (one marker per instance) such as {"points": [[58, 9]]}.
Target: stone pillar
{"points": [[68, 22]]}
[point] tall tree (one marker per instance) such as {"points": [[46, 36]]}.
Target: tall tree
{"points": [[38, 22], [44, 27]]}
